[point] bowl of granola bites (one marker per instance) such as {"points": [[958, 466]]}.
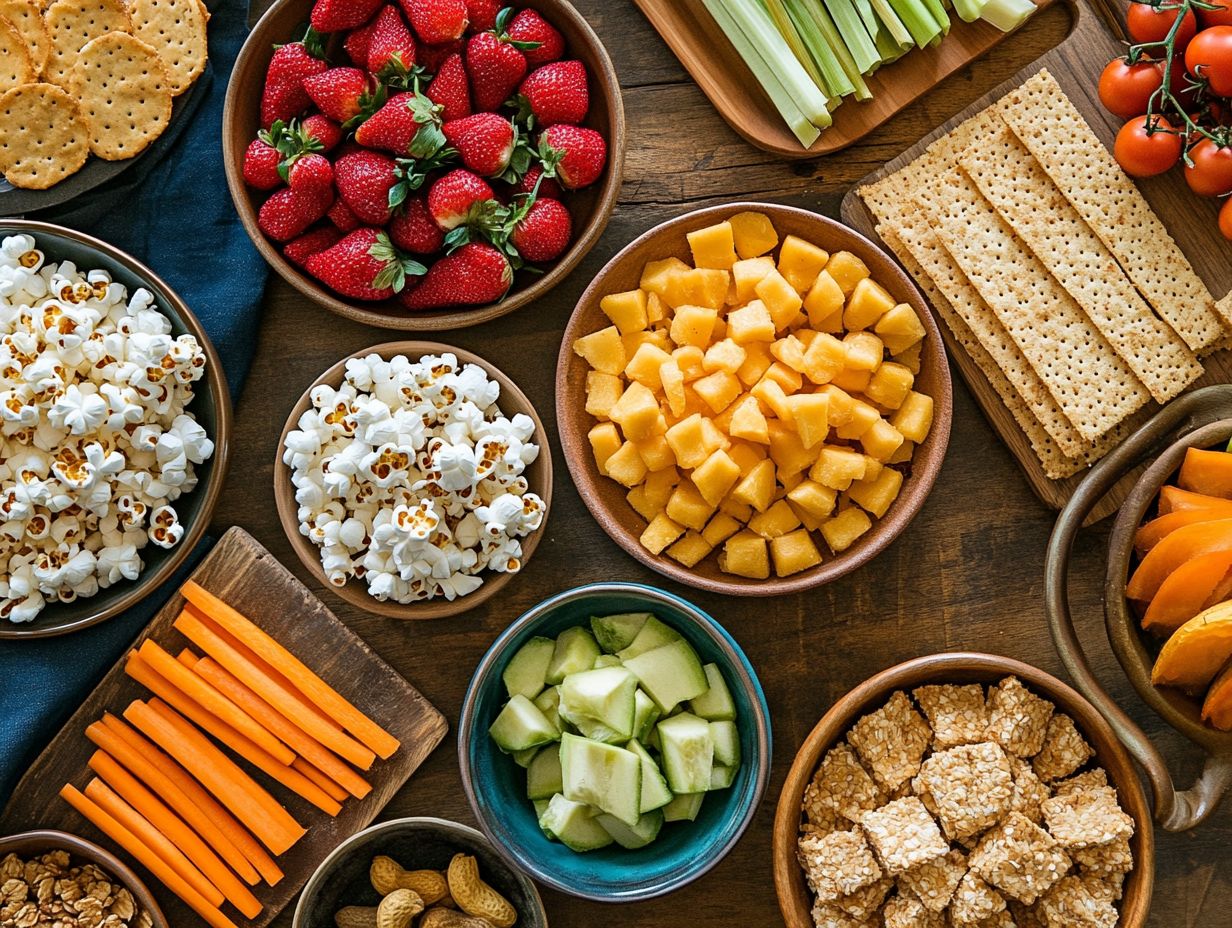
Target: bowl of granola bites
{"points": [[963, 789]]}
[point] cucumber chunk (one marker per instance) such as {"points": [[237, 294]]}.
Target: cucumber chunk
{"points": [[645, 714], [544, 777], [526, 671], [614, 632], [683, 808], [575, 651], [541, 806], [716, 704], [523, 758], [726, 743], [602, 701], [607, 660], [520, 726], [632, 837], [653, 634], [688, 753], [655, 793], [670, 674], [604, 776], [571, 823], [722, 777], [548, 702]]}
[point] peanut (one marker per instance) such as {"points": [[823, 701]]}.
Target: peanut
{"points": [[387, 875], [356, 916], [438, 917], [474, 896], [398, 909]]}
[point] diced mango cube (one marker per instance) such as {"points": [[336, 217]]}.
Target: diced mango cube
{"points": [[602, 392], [810, 415], [604, 441], [824, 303], [852, 380], [626, 466], [603, 350], [736, 509], [746, 554], [837, 468], [637, 499], [788, 482], [645, 367], [687, 506], [660, 533], [881, 440], [713, 246], [671, 382], [746, 274], [656, 453], [757, 487], [715, 476], [637, 413], [718, 389], [890, 385], [626, 310], [634, 340], [687, 441], [772, 396], [862, 418], [808, 520], [787, 450], [712, 438], [900, 328], [724, 356], [787, 378], [864, 351], [757, 361], [690, 550], [914, 418], [754, 234], [746, 455], [780, 298], [910, 357], [877, 495], [750, 323], [813, 498], [842, 531], [775, 521], [655, 310], [800, 262], [824, 359], [656, 274], [790, 351], [693, 325], [659, 485], [720, 527], [869, 301], [689, 358], [872, 467], [847, 270], [904, 453], [794, 552], [842, 404], [748, 422]]}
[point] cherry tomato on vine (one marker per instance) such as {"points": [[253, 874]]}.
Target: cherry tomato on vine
{"points": [[1219, 17], [1211, 174], [1148, 24], [1146, 151], [1125, 89], [1209, 55], [1225, 219]]}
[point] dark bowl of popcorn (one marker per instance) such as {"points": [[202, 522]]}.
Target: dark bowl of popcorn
{"points": [[963, 789]]}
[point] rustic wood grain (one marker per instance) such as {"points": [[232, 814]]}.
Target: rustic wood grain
{"points": [[1076, 65], [245, 575]]}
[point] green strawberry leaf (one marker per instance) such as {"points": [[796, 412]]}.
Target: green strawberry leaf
{"points": [[395, 266], [525, 46], [549, 157], [502, 21], [427, 141], [456, 237]]}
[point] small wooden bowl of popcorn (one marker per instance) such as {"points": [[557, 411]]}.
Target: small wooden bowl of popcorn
{"points": [[376, 443], [76, 866], [951, 768]]}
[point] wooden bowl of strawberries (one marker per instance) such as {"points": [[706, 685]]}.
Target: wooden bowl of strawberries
{"points": [[423, 164]]}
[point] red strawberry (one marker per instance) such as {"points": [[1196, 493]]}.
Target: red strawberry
{"points": [[529, 27], [364, 181], [475, 274], [391, 47], [451, 197], [407, 124], [450, 90], [544, 232], [261, 160], [482, 14], [364, 265], [289, 212], [548, 187], [431, 57], [343, 216], [299, 250], [413, 230], [357, 43], [323, 130], [485, 142], [574, 154], [556, 93], [340, 93], [495, 67], [339, 15], [283, 95], [436, 21], [311, 172]]}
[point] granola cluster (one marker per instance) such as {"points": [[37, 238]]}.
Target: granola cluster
{"points": [[956, 807], [52, 892]]}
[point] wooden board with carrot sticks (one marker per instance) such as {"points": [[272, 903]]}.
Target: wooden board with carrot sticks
{"points": [[242, 574]]}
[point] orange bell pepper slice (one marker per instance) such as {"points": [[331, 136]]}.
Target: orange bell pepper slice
{"points": [[1177, 548]]}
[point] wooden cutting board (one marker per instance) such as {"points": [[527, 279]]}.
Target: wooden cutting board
{"points": [[1192, 221], [245, 575], [703, 49]]}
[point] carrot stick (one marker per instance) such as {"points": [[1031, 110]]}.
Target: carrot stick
{"points": [[187, 658], [152, 862], [148, 764], [255, 755], [155, 840], [212, 701], [300, 742], [273, 825], [179, 834], [334, 739], [328, 786], [307, 682]]}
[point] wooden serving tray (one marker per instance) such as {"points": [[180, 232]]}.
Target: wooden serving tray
{"points": [[1076, 64], [248, 577], [721, 73]]}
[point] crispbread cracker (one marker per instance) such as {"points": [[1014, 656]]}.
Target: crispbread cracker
{"points": [[44, 139], [73, 23], [27, 17], [1053, 130], [176, 30], [121, 86], [1013, 181], [15, 65], [1094, 388]]}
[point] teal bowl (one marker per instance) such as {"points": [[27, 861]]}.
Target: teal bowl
{"points": [[496, 786]]}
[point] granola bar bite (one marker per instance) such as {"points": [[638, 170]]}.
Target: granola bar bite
{"points": [[827, 915], [838, 864], [1086, 819], [1115, 857], [891, 741], [909, 912], [974, 901], [903, 835], [1081, 782], [970, 786], [864, 903], [957, 714], [1064, 750], [1020, 859], [933, 882], [1029, 790], [1017, 718], [1070, 904], [841, 787]]}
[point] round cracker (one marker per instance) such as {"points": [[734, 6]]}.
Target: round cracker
{"points": [[15, 65], [176, 29], [122, 88], [44, 139], [27, 17], [73, 23]]}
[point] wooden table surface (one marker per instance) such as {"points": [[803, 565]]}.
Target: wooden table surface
{"points": [[966, 575]]}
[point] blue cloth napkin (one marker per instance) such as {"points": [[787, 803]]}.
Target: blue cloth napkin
{"points": [[172, 211]]}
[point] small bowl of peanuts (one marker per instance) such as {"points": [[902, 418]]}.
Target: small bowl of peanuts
{"points": [[55, 872], [418, 873]]}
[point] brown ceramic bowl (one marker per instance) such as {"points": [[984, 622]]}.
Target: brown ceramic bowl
{"points": [[34, 843], [794, 898], [355, 591], [606, 498], [591, 207], [211, 405]]}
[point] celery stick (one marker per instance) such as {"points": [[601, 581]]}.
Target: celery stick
{"points": [[1007, 15], [919, 22], [893, 25], [817, 12], [864, 10], [938, 13], [782, 22], [969, 10], [801, 126], [855, 36], [889, 50], [838, 84]]}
